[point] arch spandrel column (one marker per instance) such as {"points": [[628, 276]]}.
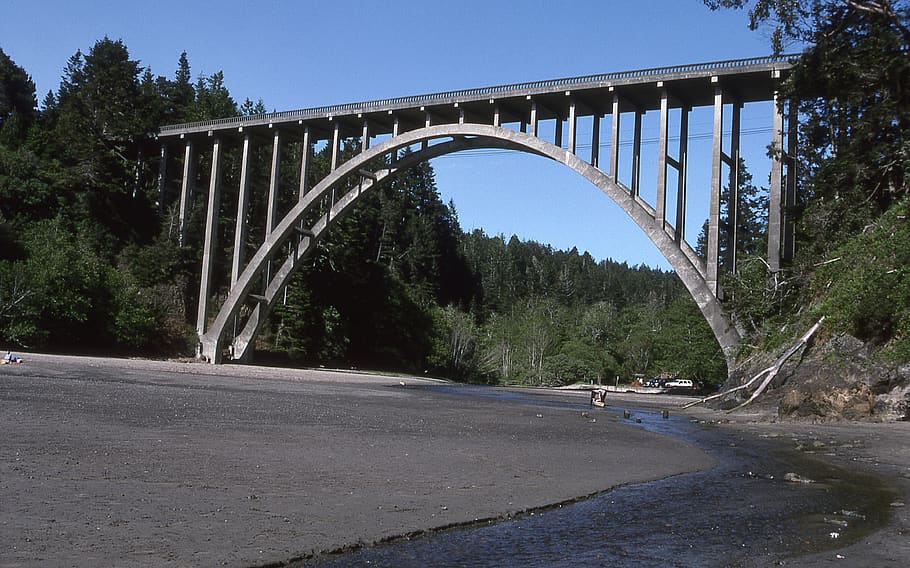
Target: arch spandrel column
{"points": [[187, 188], [211, 237], [714, 206], [243, 201]]}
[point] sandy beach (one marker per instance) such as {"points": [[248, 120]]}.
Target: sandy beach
{"points": [[108, 462], [137, 463]]}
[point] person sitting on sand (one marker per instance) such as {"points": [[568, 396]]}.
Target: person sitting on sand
{"points": [[9, 358]]}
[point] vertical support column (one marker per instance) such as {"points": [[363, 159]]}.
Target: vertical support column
{"points": [[595, 140], [243, 202], [336, 151], [682, 169], [774, 193], [533, 120], [211, 235], [461, 116], [660, 210], [427, 122], [789, 241], [557, 136], [305, 162], [187, 186], [614, 141], [396, 130], [365, 136], [303, 187], [162, 177], [572, 126], [497, 115], [336, 145], [636, 153], [271, 215], [714, 207], [733, 204]]}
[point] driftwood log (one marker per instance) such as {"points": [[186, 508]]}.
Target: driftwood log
{"points": [[768, 373]]}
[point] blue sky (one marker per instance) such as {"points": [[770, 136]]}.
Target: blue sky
{"points": [[298, 54]]}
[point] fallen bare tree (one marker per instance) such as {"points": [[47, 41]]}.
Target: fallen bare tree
{"points": [[768, 373]]}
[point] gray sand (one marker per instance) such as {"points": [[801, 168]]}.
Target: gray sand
{"points": [[107, 462], [882, 449]]}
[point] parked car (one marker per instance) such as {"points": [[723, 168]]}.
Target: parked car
{"points": [[680, 384]]}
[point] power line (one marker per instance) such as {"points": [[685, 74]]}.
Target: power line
{"points": [[644, 142]]}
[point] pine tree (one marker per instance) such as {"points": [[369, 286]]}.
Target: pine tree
{"points": [[17, 100], [213, 100]]}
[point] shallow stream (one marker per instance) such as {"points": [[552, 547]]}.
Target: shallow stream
{"points": [[749, 510]]}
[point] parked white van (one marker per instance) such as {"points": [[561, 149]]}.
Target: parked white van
{"points": [[680, 384]]}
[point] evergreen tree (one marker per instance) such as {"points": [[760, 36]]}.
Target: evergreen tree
{"points": [[249, 108], [17, 100], [24, 189], [99, 130], [213, 100], [752, 217], [181, 94]]}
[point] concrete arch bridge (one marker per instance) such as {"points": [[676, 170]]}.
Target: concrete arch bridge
{"points": [[508, 117]]}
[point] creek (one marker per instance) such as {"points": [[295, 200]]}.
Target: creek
{"points": [[749, 510]]}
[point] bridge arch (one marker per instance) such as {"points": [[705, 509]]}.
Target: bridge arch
{"points": [[448, 138]]}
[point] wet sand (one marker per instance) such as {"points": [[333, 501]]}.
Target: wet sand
{"points": [[880, 449], [107, 462]]}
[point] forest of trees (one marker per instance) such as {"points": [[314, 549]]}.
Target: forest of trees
{"points": [[89, 259]]}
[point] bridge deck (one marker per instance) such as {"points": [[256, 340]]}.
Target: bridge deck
{"points": [[746, 80]]}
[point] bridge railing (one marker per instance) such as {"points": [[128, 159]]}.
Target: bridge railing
{"points": [[415, 100]]}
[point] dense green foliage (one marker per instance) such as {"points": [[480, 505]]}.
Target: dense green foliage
{"points": [[79, 226], [854, 165], [865, 288], [89, 257]]}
